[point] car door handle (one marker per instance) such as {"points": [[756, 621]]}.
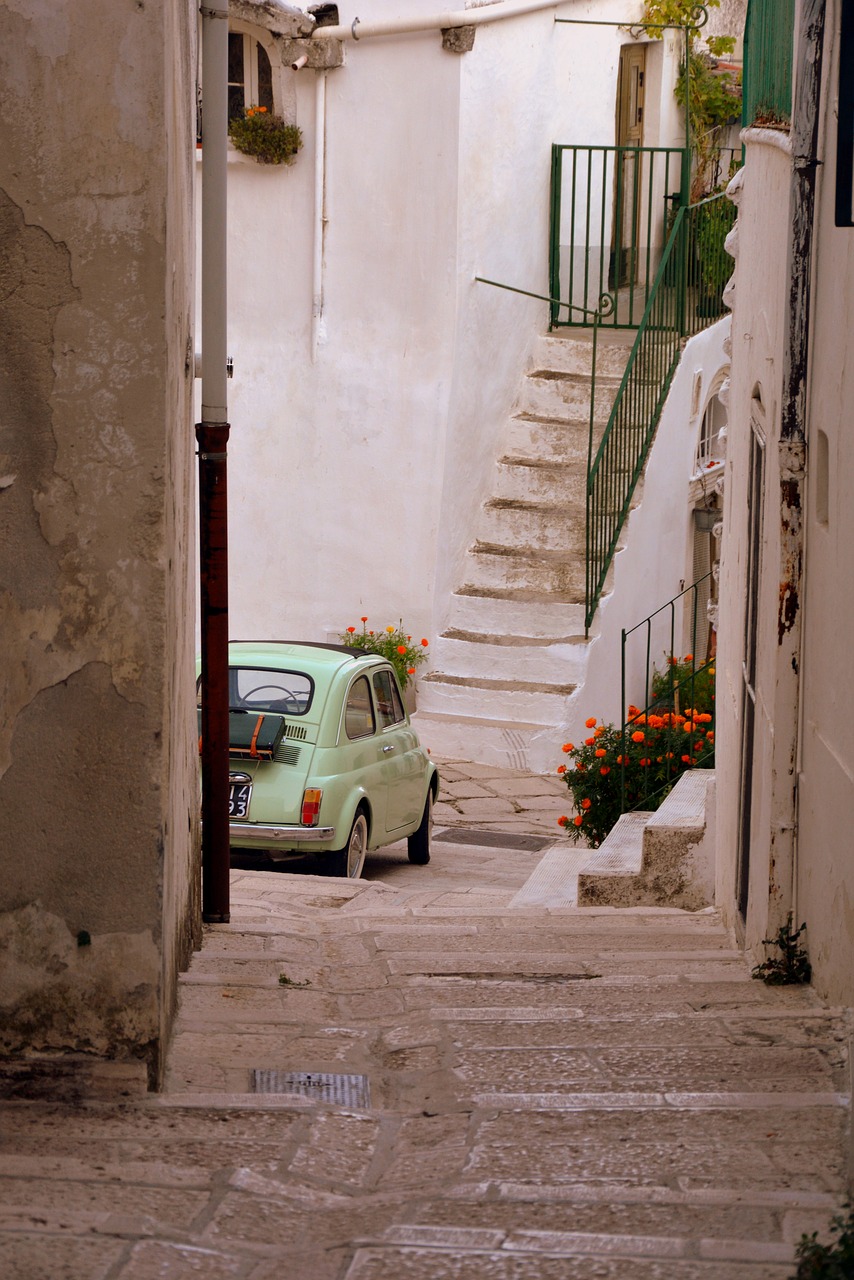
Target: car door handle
{"points": [[385, 749]]}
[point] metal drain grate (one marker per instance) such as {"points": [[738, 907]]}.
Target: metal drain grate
{"points": [[323, 1086], [498, 839]]}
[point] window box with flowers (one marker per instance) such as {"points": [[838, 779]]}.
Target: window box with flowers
{"points": [[265, 137]]}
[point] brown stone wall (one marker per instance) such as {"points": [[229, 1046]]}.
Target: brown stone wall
{"points": [[98, 828]]}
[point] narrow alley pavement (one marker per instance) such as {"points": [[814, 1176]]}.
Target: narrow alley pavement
{"points": [[420, 1076]]}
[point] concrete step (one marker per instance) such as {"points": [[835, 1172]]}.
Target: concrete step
{"points": [[533, 614], [507, 657], [663, 858], [495, 567], [494, 699]]}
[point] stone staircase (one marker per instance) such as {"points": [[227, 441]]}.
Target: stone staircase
{"points": [[660, 859], [514, 647]]}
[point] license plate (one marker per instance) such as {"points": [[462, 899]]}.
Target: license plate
{"points": [[238, 799]]}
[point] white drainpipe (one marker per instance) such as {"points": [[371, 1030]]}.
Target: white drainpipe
{"points": [[359, 30], [319, 220]]}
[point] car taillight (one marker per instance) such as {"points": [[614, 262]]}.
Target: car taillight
{"points": [[311, 807]]}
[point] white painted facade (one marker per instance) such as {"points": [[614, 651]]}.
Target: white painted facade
{"points": [[799, 850], [356, 471]]}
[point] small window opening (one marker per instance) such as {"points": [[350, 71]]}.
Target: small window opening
{"points": [[250, 75], [822, 478], [711, 444]]}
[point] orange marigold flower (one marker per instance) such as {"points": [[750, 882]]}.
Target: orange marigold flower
{"points": [[588, 742], [633, 710], [567, 747], [599, 731], [688, 727], [619, 759], [370, 633], [686, 759], [578, 819], [351, 630], [580, 767], [390, 630], [600, 751], [605, 770], [401, 648], [586, 803], [365, 619], [424, 642], [655, 722], [591, 722], [561, 768], [710, 734], [563, 821], [410, 671], [689, 657], [638, 736]]}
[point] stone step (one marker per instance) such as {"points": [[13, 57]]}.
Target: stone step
{"points": [[657, 859], [535, 480], [574, 354], [505, 743], [536, 525], [494, 567], [533, 614], [532, 435], [494, 699], [566, 395], [471, 653]]}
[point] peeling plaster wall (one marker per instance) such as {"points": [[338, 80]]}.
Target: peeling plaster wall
{"points": [[758, 324], [825, 865], [98, 827]]}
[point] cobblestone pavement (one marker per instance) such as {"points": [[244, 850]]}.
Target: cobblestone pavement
{"points": [[407, 1078]]}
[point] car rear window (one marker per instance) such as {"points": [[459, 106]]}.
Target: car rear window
{"points": [[288, 693]]}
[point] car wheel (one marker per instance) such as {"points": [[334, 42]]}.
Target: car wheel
{"points": [[418, 844], [348, 862]]}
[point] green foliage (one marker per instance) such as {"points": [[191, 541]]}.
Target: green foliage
{"points": [[393, 643], [265, 137], [713, 222], [684, 684], [673, 13], [646, 758], [791, 966], [285, 981], [833, 1261]]}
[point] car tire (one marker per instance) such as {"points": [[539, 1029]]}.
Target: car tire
{"points": [[349, 861], [418, 844]]}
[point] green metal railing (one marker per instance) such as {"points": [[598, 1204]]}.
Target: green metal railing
{"points": [[686, 296], [609, 213], [768, 54], [684, 684]]}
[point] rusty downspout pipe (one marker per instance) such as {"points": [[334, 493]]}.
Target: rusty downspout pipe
{"points": [[212, 436], [792, 451]]}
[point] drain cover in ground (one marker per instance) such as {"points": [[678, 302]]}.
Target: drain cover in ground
{"points": [[323, 1086], [497, 839]]}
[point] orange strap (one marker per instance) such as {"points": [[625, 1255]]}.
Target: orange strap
{"points": [[252, 746]]}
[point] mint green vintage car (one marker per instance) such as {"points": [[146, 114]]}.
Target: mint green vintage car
{"points": [[323, 758]]}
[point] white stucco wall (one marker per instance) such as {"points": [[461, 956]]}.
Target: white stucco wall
{"points": [[759, 316], [656, 562], [355, 480]]}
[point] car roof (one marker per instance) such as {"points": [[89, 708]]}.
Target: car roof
{"points": [[313, 657]]}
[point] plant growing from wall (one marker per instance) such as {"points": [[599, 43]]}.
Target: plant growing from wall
{"points": [[265, 137], [833, 1261], [792, 965], [714, 96], [393, 643]]}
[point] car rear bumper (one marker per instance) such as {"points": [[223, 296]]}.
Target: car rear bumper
{"points": [[256, 832]]}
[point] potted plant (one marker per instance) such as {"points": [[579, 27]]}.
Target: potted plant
{"points": [[265, 137]]}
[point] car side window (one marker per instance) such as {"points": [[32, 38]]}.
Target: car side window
{"points": [[359, 713], [388, 699]]}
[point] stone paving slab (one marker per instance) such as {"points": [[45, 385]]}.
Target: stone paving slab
{"points": [[669, 1119]]}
